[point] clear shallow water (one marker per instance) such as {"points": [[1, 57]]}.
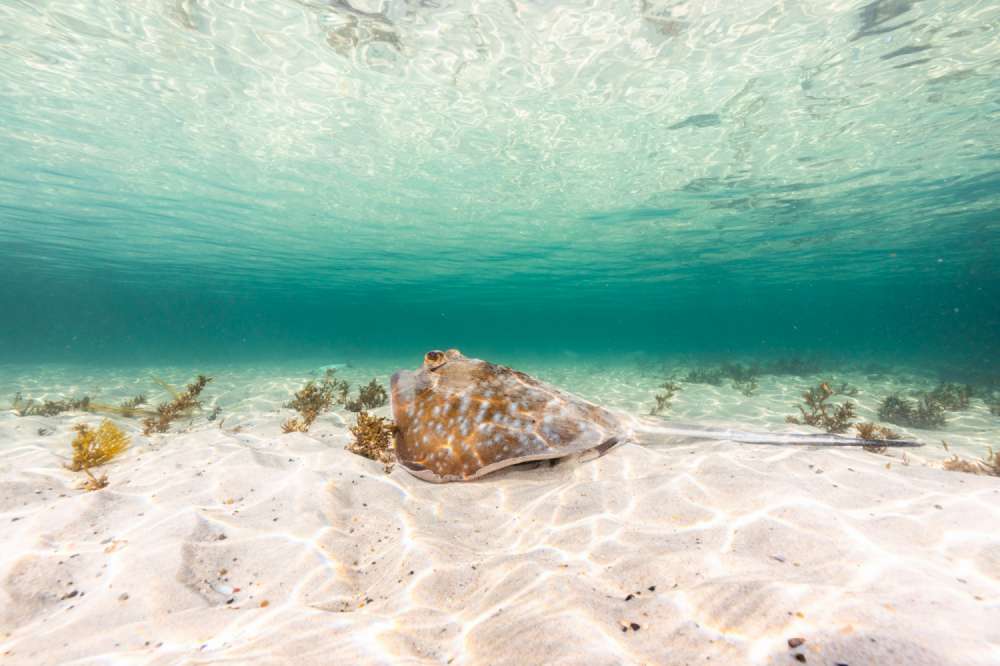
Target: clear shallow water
{"points": [[606, 195], [267, 181]]}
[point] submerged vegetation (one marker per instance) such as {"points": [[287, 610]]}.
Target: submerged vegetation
{"points": [[664, 400], [846, 389], [744, 378], [989, 465], [29, 407], [739, 374], [925, 412], [928, 409], [130, 407], [819, 413], [373, 439], [371, 396], [712, 376], [874, 431], [182, 405], [315, 398], [93, 448], [744, 375], [155, 420], [746, 386], [953, 397]]}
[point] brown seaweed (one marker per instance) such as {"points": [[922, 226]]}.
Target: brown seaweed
{"points": [[29, 407], [928, 409], [925, 412], [182, 404], [739, 372], [93, 448], [371, 396], [744, 377], [846, 389], [665, 400], [712, 377], [874, 431], [817, 412], [373, 439], [746, 386], [128, 408], [989, 465], [953, 397], [313, 399]]}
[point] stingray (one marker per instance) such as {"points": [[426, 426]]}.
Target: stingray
{"points": [[459, 418]]}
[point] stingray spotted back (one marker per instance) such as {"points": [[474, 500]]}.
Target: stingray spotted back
{"points": [[459, 418]]}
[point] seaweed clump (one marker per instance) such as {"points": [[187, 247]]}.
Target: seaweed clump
{"points": [[93, 448], [313, 399], [928, 409], [713, 377], [371, 396], [746, 386], [128, 408], [29, 407], [874, 431], [925, 412], [821, 414], [744, 377], [994, 405], [990, 465], [183, 403], [664, 400], [373, 439], [846, 389], [953, 397]]}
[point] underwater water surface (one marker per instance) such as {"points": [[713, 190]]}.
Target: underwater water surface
{"points": [[197, 181]]}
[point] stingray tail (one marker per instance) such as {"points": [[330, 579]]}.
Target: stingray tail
{"points": [[795, 438]]}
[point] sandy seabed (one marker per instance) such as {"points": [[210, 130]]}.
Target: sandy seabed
{"points": [[231, 542]]}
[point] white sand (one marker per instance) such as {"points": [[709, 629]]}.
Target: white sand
{"points": [[252, 546]]}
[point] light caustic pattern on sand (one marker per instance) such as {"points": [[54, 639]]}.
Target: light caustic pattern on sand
{"points": [[214, 544]]}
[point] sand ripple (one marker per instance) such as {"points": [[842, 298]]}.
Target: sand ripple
{"points": [[213, 545]]}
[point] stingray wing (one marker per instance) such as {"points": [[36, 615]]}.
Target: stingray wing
{"points": [[469, 417]]}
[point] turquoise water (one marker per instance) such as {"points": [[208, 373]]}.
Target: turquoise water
{"points": [[212, 182], [621, 198]]}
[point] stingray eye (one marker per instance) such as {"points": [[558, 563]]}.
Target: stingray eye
{"points": [[433, 358], [453, 354]]}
